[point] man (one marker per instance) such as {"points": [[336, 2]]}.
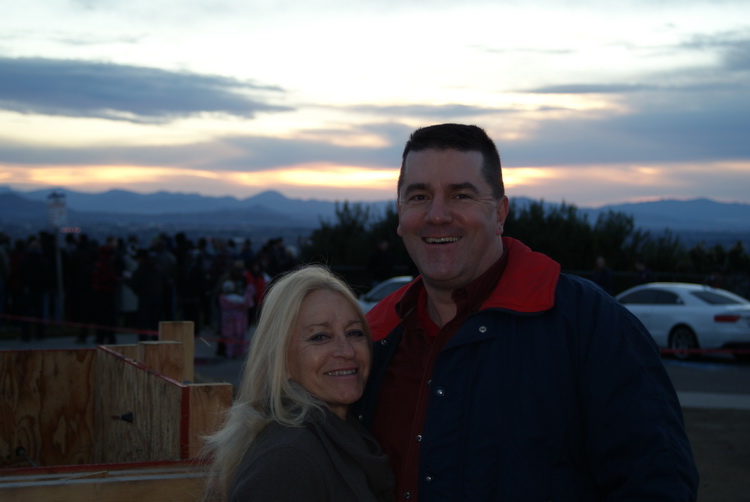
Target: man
{"points": [[496, 377], [602, 275]]}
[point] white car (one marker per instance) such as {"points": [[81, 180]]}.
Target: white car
{"points": [[381, 290], [688, 318]]}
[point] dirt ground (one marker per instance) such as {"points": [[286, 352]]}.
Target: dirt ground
{"points": [[721, 445]]}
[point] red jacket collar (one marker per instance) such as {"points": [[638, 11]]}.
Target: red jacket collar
{"points": [[527, 286]]}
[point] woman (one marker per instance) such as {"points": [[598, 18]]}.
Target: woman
{"points": [[288, 436]]}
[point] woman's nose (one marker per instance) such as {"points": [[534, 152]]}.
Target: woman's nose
{"points": [[344, 347]]}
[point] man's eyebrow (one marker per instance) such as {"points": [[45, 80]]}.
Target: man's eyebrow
{"points": [[414, 187], [454, 187], [464, 186]]}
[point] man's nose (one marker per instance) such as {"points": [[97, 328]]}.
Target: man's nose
{"points": [[438, 211]]}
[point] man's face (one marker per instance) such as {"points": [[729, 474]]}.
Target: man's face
{"points": [[448, 218]]}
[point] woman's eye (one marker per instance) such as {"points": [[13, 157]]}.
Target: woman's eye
{"points": [[318, 337], [356, 333]]}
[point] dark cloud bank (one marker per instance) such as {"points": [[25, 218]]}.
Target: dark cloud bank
{"points": [[119, 92]]}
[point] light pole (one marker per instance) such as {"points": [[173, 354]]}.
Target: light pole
{"points": [[58, 216]]}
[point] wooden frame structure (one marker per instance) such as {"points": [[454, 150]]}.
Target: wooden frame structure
{"points": [[122, 416]]}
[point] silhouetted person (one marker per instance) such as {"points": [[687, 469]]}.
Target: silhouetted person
{"points": [[148, 284], [105, 281], [380, 264], [602, 275], [643, 273], [36, 281]]}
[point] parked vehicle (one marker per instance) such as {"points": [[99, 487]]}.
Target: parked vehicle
{"points": [[691, 318], [380, 291]]}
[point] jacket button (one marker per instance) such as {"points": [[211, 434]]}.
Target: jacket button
{"points": [[407, 495], [482, 329], [440, 392], [419, 438], [428, 478], [383, 342]]}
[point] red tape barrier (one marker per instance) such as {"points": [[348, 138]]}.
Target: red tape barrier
{"points": [[36, 320]]}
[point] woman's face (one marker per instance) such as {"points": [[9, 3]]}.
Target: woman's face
{"points": [[329, 352]]}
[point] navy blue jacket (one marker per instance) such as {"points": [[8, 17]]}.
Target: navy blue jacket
{"points": [[551, 392]]}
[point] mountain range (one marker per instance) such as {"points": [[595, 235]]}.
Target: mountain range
{"points": [[693, 220]]}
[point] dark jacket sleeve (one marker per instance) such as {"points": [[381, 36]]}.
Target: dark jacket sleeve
{"points": [[284, 474], [635, 437]]}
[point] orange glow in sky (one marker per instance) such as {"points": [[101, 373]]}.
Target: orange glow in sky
{"points": [[592, 185]]}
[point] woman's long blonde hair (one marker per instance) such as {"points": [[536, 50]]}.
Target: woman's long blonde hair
{"points": [[265, 394]]}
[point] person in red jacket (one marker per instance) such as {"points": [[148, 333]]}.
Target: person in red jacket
{"points": [[495, 376]]}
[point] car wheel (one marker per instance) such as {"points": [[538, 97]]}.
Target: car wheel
{"points": [[682, 339]]}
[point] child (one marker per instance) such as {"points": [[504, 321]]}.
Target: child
{"points": [[234, 318]]}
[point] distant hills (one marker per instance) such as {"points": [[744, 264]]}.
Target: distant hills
{"points": [[268, 212]]}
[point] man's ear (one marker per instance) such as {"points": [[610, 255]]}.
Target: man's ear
{"points": [[398, 211], [503, 208]]}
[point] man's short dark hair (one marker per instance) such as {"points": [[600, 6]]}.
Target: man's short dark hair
{"points": [[464, 138]]}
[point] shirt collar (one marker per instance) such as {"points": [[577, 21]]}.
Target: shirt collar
{"points": [[467, 299]]}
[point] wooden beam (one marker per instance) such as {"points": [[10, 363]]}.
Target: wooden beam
{"points": [[184, 482], [183, 332]]}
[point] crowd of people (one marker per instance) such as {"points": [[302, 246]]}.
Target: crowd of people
{"points": [[124, 283]]}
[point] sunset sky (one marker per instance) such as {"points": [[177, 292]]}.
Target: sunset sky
{"points": [[591, 102]]}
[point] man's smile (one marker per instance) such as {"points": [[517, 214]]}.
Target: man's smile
{"points": [[441, 240]]}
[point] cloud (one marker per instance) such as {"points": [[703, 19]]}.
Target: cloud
{"points": [[733, 48], [656, 125], [698, 113], [589, 89], [120, 92], [430, 112], [663, 126], [234, 153]]}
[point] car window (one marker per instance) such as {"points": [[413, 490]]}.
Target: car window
{"points": [[715, 298], [651, 296], [641, 297], [381, 292], [667, 298]]}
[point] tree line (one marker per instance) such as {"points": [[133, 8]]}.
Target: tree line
{"points": [[560, 231]]}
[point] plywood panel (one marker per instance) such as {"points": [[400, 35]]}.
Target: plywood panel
{"points": [[46, 406], [130, 350], [138, 414], [164, 358], [208, 406]]}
